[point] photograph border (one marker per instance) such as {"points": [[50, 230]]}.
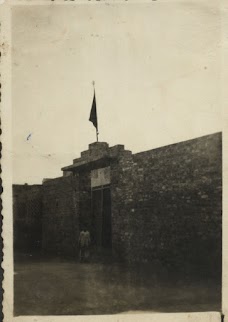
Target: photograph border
{"points": [[6, 138]]}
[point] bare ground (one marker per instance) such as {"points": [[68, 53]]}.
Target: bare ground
{"points": [[55, 287]]}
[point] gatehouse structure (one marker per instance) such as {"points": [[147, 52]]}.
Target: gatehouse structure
{"points": [[164, 204]]}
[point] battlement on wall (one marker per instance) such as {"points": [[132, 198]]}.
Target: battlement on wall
{"points": [[98, 154]]}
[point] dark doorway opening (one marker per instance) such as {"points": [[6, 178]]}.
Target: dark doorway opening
{"points": [[101, 217]]}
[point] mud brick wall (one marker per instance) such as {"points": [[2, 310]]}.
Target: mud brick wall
{"points": [[66, 209], [167, 204], [27, 217], [122, 188], [60, 215]]}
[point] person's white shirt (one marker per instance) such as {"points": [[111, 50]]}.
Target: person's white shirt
{"points": [[84, 238]]}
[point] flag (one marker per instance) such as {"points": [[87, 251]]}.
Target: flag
{"points": [[93, 113]]}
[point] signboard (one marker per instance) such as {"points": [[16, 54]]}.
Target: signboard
{"points": [[100, 177]]}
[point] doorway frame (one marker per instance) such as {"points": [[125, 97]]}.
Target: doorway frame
{"points": [[102, 188]]}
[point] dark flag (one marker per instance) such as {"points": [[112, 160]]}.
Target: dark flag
{"points": [[93, 113]]}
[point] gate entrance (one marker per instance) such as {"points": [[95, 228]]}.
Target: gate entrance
{"points": [[101, 232]]}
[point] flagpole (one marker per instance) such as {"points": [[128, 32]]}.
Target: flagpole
{"points": [[97, 133]]}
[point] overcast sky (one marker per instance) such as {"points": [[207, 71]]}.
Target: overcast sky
{"points": [[156, 68]]}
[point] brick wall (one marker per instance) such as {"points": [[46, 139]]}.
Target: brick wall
{"points": [[27, 219], [66, 209], [61, 215], [167, 204]]}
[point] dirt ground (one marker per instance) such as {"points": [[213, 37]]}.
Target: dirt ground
{"points": [[55, 287]]}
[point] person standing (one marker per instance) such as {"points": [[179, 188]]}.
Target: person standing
{"points": [[84, 243]]}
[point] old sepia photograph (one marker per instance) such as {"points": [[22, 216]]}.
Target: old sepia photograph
{"points": [[117, 158]]}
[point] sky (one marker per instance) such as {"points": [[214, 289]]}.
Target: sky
{"points": [[156, 68]]}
